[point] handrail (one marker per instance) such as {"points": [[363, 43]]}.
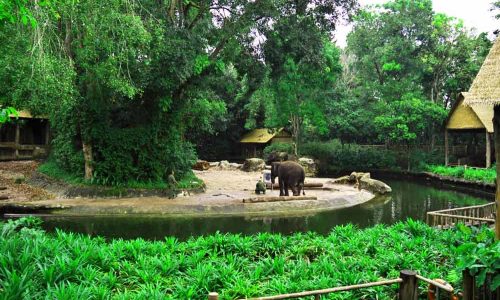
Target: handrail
{"points": [[435, 283], [464, 208], [461, 217], [330, 290], [407, 288]]}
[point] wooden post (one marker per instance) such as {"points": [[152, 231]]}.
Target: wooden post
{"points": [[47, 133], [213, 296], [18, 139], [488, 150], [496, 131], [468, 293], [446, 157], [408, 288]]}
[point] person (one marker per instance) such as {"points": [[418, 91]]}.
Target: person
{"points": [[260, 187], [171, 180]]}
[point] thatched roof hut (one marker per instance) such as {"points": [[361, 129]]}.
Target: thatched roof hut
{"points": [[463, 117], [475, 118], [256, 140], [485, 90]]}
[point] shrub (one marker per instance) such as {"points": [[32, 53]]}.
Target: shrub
{"points": [[278, 147], [336, 158], [38, 265], [473, 174]]}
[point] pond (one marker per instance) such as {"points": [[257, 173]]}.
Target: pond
{"points": [[408, 200]]}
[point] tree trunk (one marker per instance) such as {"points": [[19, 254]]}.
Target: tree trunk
{"points": [[496, 129], [87, 156]]}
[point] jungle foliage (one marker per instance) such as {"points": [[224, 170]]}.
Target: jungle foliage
{"points": [[39, 265], [137, 89]]}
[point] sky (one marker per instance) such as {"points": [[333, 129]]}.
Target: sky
{"points": [[474, 13]]}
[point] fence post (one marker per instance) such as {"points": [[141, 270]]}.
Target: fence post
{"points": [[468, 287], [213, 296], [408, 288]]}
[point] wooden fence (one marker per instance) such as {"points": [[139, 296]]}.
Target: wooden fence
{"points": [[470, 215], [408, 288]]}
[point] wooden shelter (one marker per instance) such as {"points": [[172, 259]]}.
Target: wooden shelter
{"points": [[485, 92], [254, 142], [470, 118], [25, 137]]}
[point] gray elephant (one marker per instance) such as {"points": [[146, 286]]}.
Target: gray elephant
{"points": [[290, 175]]}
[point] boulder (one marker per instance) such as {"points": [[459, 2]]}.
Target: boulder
{"points": [[226, 165], [376, 187], [253, 165], [201, 165], [309, 165], [235, 166], [356, 176], [341, 180]]}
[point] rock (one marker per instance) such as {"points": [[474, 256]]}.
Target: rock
{"points": [[310, 166], [356, 176], [376, 187], [224, 165], [341, 180], [253, 165], [201, 165], [213, 164], [235, 166]]}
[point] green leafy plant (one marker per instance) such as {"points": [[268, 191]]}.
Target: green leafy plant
{"points": [[71, 266]]}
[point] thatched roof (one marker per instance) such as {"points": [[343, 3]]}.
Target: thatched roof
{"points": [[486, 86], [462, 117], [260, 135], [24, 114]]}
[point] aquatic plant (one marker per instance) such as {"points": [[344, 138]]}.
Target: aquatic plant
{"points": [[61, 265]]}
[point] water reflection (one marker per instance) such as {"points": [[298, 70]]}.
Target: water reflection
{"points": [[408, 200]]}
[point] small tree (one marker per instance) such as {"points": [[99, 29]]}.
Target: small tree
{"points": [[408, 120]]}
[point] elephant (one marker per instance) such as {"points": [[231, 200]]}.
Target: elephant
{"points": [[290, 175]]}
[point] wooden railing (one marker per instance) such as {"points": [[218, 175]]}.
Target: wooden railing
{"points": [[408, 288], [470, 215]]}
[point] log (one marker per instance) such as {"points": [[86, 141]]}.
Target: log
{"points": [[278, 198], [306, 185]]}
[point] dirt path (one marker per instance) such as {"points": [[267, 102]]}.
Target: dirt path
{"points": [[224, 193], [13, 175]]}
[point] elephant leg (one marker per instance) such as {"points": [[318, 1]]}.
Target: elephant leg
{"points": [[282, 185], [286, 189]]}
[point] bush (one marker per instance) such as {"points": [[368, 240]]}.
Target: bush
{"points": [[278, 147], [38, 265], [473, 174], [336, 158]]}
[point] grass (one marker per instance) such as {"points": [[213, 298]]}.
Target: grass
{"points": [[472, 174], [51, 169], [38, 265]]}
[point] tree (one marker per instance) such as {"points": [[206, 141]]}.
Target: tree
{"points": [[408, 120], [129, 85]]}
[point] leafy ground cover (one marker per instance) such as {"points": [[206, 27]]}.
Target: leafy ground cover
{"points": [[51, 169], [35, 264], [485, 175]]}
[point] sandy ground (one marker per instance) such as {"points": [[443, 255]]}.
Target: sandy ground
{"points": [[21, 191], [224, 195]]}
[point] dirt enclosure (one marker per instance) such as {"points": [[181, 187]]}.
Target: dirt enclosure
{"points": [[224, 194]]}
